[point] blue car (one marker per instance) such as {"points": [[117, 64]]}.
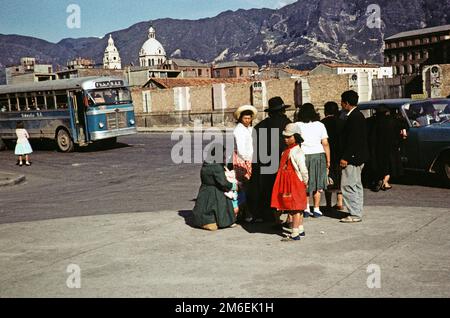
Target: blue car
{"points": [[427, 121]]}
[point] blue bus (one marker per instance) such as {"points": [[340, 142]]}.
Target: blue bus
{"points": [[72, 112]]}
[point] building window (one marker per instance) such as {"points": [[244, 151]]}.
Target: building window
{"points": [[241, 72], [409, 42], [231, 72], [401, 69], [199, 72], [216, 73], [417, 41]]}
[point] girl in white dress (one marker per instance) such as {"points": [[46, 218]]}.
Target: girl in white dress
{"points": [[23, 146]]}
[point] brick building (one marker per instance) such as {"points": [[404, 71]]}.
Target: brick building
{"points": [[235, 69], [409, 51], [190, 68]]}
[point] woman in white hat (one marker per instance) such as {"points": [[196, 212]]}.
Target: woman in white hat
{"points": [[243, 154]]}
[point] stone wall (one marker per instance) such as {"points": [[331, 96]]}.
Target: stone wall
{"points": [[445, 80], [161, 103]]}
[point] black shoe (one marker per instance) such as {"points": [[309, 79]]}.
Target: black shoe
{"points": [[303, 234]]}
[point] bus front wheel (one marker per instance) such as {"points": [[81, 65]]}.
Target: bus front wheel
{"points": [[64, 142]]}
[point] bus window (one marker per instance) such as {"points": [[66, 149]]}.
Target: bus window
{"points": [[22, 103], [4, 107], [13, 102], [50, 101], [31, 103], [40, 101], [61, 101]]}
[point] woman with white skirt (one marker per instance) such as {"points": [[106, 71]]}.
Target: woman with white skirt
{"points": [[23, 147]]}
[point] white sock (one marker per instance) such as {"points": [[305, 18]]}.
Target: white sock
{"points": [[317, 210], [301, 229], [307, 207], [295, 231]]}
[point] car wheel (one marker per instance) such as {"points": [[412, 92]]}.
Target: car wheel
{"points": [[444, 169], [64, 141]]}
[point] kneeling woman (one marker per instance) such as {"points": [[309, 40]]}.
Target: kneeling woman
{"points": [[213, 209], [289, 190]]}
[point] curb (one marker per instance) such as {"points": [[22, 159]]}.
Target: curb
{"points": [[8, 179]]}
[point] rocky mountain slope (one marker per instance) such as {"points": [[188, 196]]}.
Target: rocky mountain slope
{"points": [[300, 34]]}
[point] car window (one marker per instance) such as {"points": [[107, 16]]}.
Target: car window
{"points": [[428, 112]]}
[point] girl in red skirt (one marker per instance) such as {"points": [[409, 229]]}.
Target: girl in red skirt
{"points": [[289, 190]]}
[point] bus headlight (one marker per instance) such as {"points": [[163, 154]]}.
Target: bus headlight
{"points": [[101, 125], [132, 122]]}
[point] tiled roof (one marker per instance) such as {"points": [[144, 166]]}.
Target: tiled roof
{"points": [[295, 72], [190, 82], [336, 65], [235, 64], [411, 33]]}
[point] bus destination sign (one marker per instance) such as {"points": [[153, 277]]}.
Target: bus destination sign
{"points": [[108, 84]]}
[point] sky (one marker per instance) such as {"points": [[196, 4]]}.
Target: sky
{"points": [[53, 20]]}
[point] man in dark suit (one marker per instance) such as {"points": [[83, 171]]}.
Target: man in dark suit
{"points": [[266, 163], [355, 153]]}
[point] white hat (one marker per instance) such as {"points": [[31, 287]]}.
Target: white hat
{"points": [[290, 130], [241, 109]]}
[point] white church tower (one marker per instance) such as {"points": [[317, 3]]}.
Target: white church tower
{"points": [[111, 59], [152, 53]]}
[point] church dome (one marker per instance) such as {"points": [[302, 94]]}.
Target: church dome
{"points": [[152, 47]]}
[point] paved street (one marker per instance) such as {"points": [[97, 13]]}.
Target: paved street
{"points": [[123, 216]]}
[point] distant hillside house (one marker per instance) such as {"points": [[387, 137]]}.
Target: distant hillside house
{"points": [[235, 69], [375, 71], [407, 52], [190, 68], [29, 72]]}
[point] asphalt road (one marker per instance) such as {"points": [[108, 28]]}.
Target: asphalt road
{"points": [[138, 175]]}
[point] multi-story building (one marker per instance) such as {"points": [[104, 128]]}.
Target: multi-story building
{"points": [[235, 69], [29, 71], [409, 51], [374, 71], [190, 68]]}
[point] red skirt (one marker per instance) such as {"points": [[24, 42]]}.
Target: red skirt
{"points": [[289, 192]]}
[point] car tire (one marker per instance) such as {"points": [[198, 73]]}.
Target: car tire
{"points": [[64, 141], [444, 169]]}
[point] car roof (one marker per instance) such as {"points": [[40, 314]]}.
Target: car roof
{"points": [[390, 103]]}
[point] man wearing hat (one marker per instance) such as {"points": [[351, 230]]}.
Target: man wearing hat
{"points": [[264, 173]]}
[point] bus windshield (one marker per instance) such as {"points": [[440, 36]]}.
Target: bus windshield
{"points": [[110, 96]]}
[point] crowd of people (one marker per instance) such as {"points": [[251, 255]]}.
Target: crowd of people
{"points": [[316, 157]]}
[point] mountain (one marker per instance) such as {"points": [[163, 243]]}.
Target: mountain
{"points": [[300, 34]]}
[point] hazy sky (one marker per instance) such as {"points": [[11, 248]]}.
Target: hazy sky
{"points": [[47, 19]]}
